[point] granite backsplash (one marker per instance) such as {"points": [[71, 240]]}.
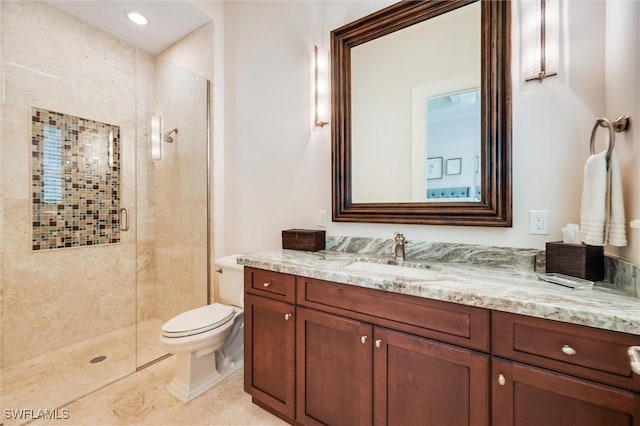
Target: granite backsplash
{"points": [[619, 274]]}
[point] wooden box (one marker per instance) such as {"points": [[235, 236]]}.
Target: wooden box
{"points": [[303, 239], [576, 260]]}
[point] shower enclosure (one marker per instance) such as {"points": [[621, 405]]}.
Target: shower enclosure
{"points": [[172, 207], [79, 317]]}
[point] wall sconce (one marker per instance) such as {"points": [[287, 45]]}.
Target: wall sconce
{"points": [[540, 38], [320, 87], [156, 138]]}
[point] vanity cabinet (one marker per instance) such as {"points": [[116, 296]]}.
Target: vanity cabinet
{"points": [[374, 375], [269, 347], [324, 353], [359, 361], [423, 382], [559, 373], [334, 365]]}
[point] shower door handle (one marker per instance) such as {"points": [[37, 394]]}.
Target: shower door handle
{"points": [[124, 219]]}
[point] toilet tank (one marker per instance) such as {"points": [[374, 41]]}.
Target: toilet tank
{"points": [[230, 280]]}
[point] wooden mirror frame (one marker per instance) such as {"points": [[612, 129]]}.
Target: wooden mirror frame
{"points": [[495, 207]]}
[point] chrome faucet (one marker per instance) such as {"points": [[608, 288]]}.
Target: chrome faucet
{"points": [[398, 246]]}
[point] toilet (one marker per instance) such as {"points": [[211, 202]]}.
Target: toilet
{"points": [[208, 341]]}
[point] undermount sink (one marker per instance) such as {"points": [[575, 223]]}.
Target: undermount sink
{"points": [[395, 270]]}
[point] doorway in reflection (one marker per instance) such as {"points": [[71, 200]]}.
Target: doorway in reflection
{"points": [[452, 147]]}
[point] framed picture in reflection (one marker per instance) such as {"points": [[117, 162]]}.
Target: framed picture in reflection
{"points": [[434, 168], [454, 166]]}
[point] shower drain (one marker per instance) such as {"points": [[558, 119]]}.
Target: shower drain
{"points": [[98, 359]]}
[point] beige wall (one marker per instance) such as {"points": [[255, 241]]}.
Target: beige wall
{"points": [[279, 166], [53, 298]]}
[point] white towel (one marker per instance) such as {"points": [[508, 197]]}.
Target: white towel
{"points": [[602, 210], [617, 231]]}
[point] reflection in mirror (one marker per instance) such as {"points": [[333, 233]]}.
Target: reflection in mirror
{"points": [[401, 110], [389, 85], [452, 133]]}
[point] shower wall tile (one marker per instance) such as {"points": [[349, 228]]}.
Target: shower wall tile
{"points": [[188, 285], [194, 52], [55, 298], [146, 260], [75, 181], [179, 193]]}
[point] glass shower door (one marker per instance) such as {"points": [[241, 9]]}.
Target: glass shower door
{"points": [[172, 204]]}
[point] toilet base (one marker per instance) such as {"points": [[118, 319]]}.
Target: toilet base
{"points": [[196, 374]]}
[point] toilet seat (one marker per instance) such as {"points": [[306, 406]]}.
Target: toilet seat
{"points": [[198, 321]]}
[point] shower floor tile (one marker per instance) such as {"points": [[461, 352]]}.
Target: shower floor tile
{"points": [[59, 377], [59, 380], [149, 346]]}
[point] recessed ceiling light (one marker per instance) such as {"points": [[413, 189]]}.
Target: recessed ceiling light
{"points": [[137, 18]]}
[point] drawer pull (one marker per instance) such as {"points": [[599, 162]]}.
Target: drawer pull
{"points": [[363, 339], [378, 343], [634, 356], [501, 380], [568, 350], [287, 317], [267, 284]]}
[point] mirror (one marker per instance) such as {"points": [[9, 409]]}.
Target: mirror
{"points": [[420, 134]]}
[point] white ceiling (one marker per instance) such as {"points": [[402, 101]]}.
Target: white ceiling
{"points": [[169, 21]]}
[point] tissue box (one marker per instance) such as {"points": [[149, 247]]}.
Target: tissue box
{"points": [[576, 260], [303, 239]]}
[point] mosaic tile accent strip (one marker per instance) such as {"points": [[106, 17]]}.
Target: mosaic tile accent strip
{"points": [[75, 181]]}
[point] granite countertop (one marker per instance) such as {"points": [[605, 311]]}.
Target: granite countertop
{"points": [[501, 289]]}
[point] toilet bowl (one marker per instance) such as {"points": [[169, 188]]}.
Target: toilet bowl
{"points": [[208, 341]]}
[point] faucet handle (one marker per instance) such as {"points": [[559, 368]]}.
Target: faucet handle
{"points": [[398, 236]]}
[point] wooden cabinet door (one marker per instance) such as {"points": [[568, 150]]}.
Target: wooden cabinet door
{"points": [[334, 370], [423, 382], [528, 396], [269, 373]]}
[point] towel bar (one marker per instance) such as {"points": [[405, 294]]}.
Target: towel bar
{"points": [[620, 124]]}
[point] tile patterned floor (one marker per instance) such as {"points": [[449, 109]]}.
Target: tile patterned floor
{"points": [[64, 382], [149, 346], [58, 377], [142, 399]]}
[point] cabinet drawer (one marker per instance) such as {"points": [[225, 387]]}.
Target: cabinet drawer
{"points": [[273, 285], [447, 322], [582, 351]]}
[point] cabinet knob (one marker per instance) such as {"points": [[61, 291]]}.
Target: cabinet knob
{"points": [[501, 380], [267, 284], [634, 356], [363, 339], [378, 343], [568, 350], [287, 317]]}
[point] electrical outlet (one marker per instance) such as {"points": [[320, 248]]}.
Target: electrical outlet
{"points": [[322, 218], [538, 222]]}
